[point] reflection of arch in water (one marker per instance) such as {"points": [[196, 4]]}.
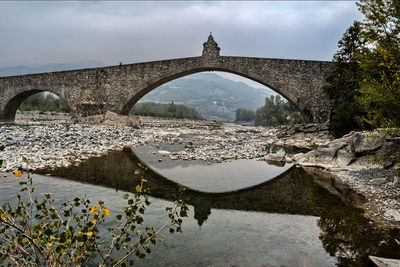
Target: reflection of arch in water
{"points": [[116, 170], [344, 231], [292, 192]]}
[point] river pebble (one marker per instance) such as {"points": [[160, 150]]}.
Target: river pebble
{"points": [[34, 146]]}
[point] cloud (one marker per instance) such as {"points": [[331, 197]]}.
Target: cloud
{"points": [[45, 32]]}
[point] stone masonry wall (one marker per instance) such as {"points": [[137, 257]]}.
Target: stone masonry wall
{"points": [[118, 88]]}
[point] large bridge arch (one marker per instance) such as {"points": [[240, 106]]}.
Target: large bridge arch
{"points": [[136, 95], [118, 88]]}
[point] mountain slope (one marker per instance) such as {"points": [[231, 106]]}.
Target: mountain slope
{"points": [[213, 96], [39, 68]]}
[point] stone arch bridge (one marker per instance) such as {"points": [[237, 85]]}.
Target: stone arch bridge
{"points": [[117, 88]]}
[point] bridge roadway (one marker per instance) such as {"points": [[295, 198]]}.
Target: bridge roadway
{"points": [[117, 88]]}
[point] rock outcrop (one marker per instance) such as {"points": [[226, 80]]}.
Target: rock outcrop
{"points": [[366, 162], [356, 151]]}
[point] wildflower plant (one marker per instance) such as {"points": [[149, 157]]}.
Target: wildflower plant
{"points": [[35, 232]]}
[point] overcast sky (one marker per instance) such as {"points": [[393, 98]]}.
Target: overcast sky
{"points": [[110, 32]]}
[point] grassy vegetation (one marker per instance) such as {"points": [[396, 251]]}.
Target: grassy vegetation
{"points": [[170, 110], [44, 102]]}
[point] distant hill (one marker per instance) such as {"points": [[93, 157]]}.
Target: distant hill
{"points": [[39, 68], [215, 97]]}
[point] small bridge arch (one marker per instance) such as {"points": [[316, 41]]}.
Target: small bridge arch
{"points": [[13, 103], [118, 88]]}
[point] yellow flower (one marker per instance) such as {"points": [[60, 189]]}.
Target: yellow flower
{"points": [[75, 259], [90, 233], [17, 174], [4, 216], [94, 221], [106, 212], [93, 210]]}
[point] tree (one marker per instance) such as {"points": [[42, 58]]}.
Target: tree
{"points": [[36, 233], [276, 111], [165, 110], [365, 82], [244, 114], [380, 63], [44, 102], [344, 83]]}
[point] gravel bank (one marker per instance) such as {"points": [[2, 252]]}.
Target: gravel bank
{"points": [[52, 145]]}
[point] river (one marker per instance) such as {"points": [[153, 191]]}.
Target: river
{"points": [[242, 212]]}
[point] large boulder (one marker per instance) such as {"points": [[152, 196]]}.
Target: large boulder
{"points": [[357, 150], [383, 262], [112, 119], [387, 154], [366, 142], [303, 130], [94, 119], [345, 156], [327, 155], [275, 158]]}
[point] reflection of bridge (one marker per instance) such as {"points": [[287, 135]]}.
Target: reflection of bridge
{"points": [[118, 88], [292, 192], [345, 233]]}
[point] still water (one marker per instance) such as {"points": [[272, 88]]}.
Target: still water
{"points": [[242, 213]]}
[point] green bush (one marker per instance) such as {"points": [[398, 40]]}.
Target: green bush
{"points": [[244, 114], [36, 233], [170, 110], [276, 111], [44, 102]]}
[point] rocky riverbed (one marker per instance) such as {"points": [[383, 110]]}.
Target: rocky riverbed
{"points": [[44, 144], [55, 144], [366, 162]]}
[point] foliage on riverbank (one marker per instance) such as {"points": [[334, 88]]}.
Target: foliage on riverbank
{"points": [[276, 111], [44, 102], [365, 83], [36, 233], [163, 110], [244, 114]]}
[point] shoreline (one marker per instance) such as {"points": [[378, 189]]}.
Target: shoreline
{"points": [[53, 145]]}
